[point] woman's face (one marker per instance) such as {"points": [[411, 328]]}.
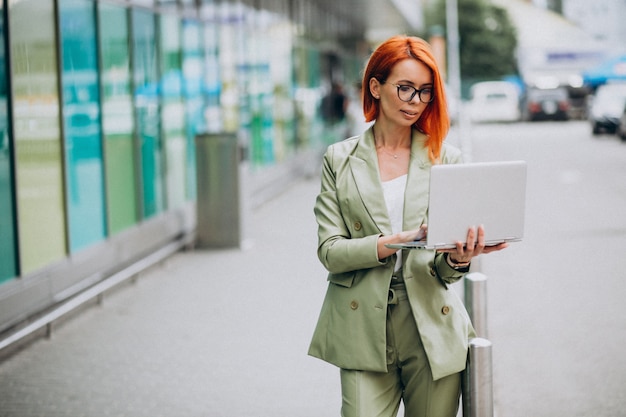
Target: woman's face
{"points": [[409, 72]]}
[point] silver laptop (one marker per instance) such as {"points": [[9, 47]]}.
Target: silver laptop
{"points": [[463, 195]]}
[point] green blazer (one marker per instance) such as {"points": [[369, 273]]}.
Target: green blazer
{"points": [[351, 214]]}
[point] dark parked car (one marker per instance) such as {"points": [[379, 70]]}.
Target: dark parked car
{"points": [[607, 106], [547, 104]]}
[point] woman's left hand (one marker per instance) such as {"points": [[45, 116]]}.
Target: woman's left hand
{"points": [[475, 245]]}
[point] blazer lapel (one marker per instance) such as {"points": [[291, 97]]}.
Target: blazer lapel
{"points": [[416, 195], [364, 166]]}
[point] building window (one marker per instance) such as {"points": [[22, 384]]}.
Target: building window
{"points": [[117, 118], [81, 121], [35, 103]]}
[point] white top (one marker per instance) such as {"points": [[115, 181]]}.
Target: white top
{"points": [[393, 191]]}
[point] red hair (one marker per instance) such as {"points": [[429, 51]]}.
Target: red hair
{"points": [[434, 121]]}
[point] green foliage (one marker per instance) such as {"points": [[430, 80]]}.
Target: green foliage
{"points": [[487, 41]]}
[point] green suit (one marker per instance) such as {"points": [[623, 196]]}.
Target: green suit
{"points": [[351, 215]]}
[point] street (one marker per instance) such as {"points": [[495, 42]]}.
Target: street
{"points": [[556, 316]]}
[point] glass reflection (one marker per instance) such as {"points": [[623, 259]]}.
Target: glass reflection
{"points": [[117, 118], [212, 83], [192, 72], [81, 117], [173, 109], [39, 175], [8, 262], [145, 73]]}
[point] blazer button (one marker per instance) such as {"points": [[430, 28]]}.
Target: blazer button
{"points": [[445, 310], [354, 305], [357, 226]]}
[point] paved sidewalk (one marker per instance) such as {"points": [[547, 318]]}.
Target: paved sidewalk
{"points": [[209, 333]]}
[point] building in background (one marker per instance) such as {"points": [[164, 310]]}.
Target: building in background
{"points": [[552, 50], [603, 19]]}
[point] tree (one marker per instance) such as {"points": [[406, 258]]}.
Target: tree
{"points": [[487, 38]]}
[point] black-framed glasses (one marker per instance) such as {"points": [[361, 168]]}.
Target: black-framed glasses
{"points": [[407, 92]]}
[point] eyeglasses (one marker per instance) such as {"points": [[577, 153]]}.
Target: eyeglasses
{"points": [[407, 92]]}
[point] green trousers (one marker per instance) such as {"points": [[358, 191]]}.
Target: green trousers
{"points": [[408, 377]]}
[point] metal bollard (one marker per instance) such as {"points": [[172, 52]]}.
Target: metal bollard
{"points": [[477, 380], [475, 288]]}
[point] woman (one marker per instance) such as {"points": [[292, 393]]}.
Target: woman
{"points": [[388, 320]]}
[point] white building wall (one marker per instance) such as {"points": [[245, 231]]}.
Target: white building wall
{"points": [[604, 19], [552, 50]]}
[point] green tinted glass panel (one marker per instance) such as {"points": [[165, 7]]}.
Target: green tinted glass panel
{"points": [[37, 134], [8, 262], [279, 34], [212, 80], [193, 64], [173, 110], [81, 117], [232, 110], [258, 56], [117, 118], [146, 83]]}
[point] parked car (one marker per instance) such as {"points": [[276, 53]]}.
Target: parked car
{"points": [[607, 106], [494, 101], [578, 105], [547, 104]]}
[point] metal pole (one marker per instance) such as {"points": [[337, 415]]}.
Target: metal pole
{"points": [[478, 380], [454, 77], [475, 289], [454, 60]]}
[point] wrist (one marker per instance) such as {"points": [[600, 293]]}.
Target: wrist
{"points": [[455, 264]]}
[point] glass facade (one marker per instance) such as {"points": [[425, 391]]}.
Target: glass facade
{"points": [[118, 123], [258, 72], [230, 19], [146, 102], [307, 95], [212, 85], [102, 102], [172, 108], [277, 29], [81, 124], [8, 260], [193, 69], [37, 134]]}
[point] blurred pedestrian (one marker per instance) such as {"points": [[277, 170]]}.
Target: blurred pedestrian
{"points": [[388, 320], [334, 104]]}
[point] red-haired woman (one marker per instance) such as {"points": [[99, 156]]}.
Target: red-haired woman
{"points": [[388, 320]]}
